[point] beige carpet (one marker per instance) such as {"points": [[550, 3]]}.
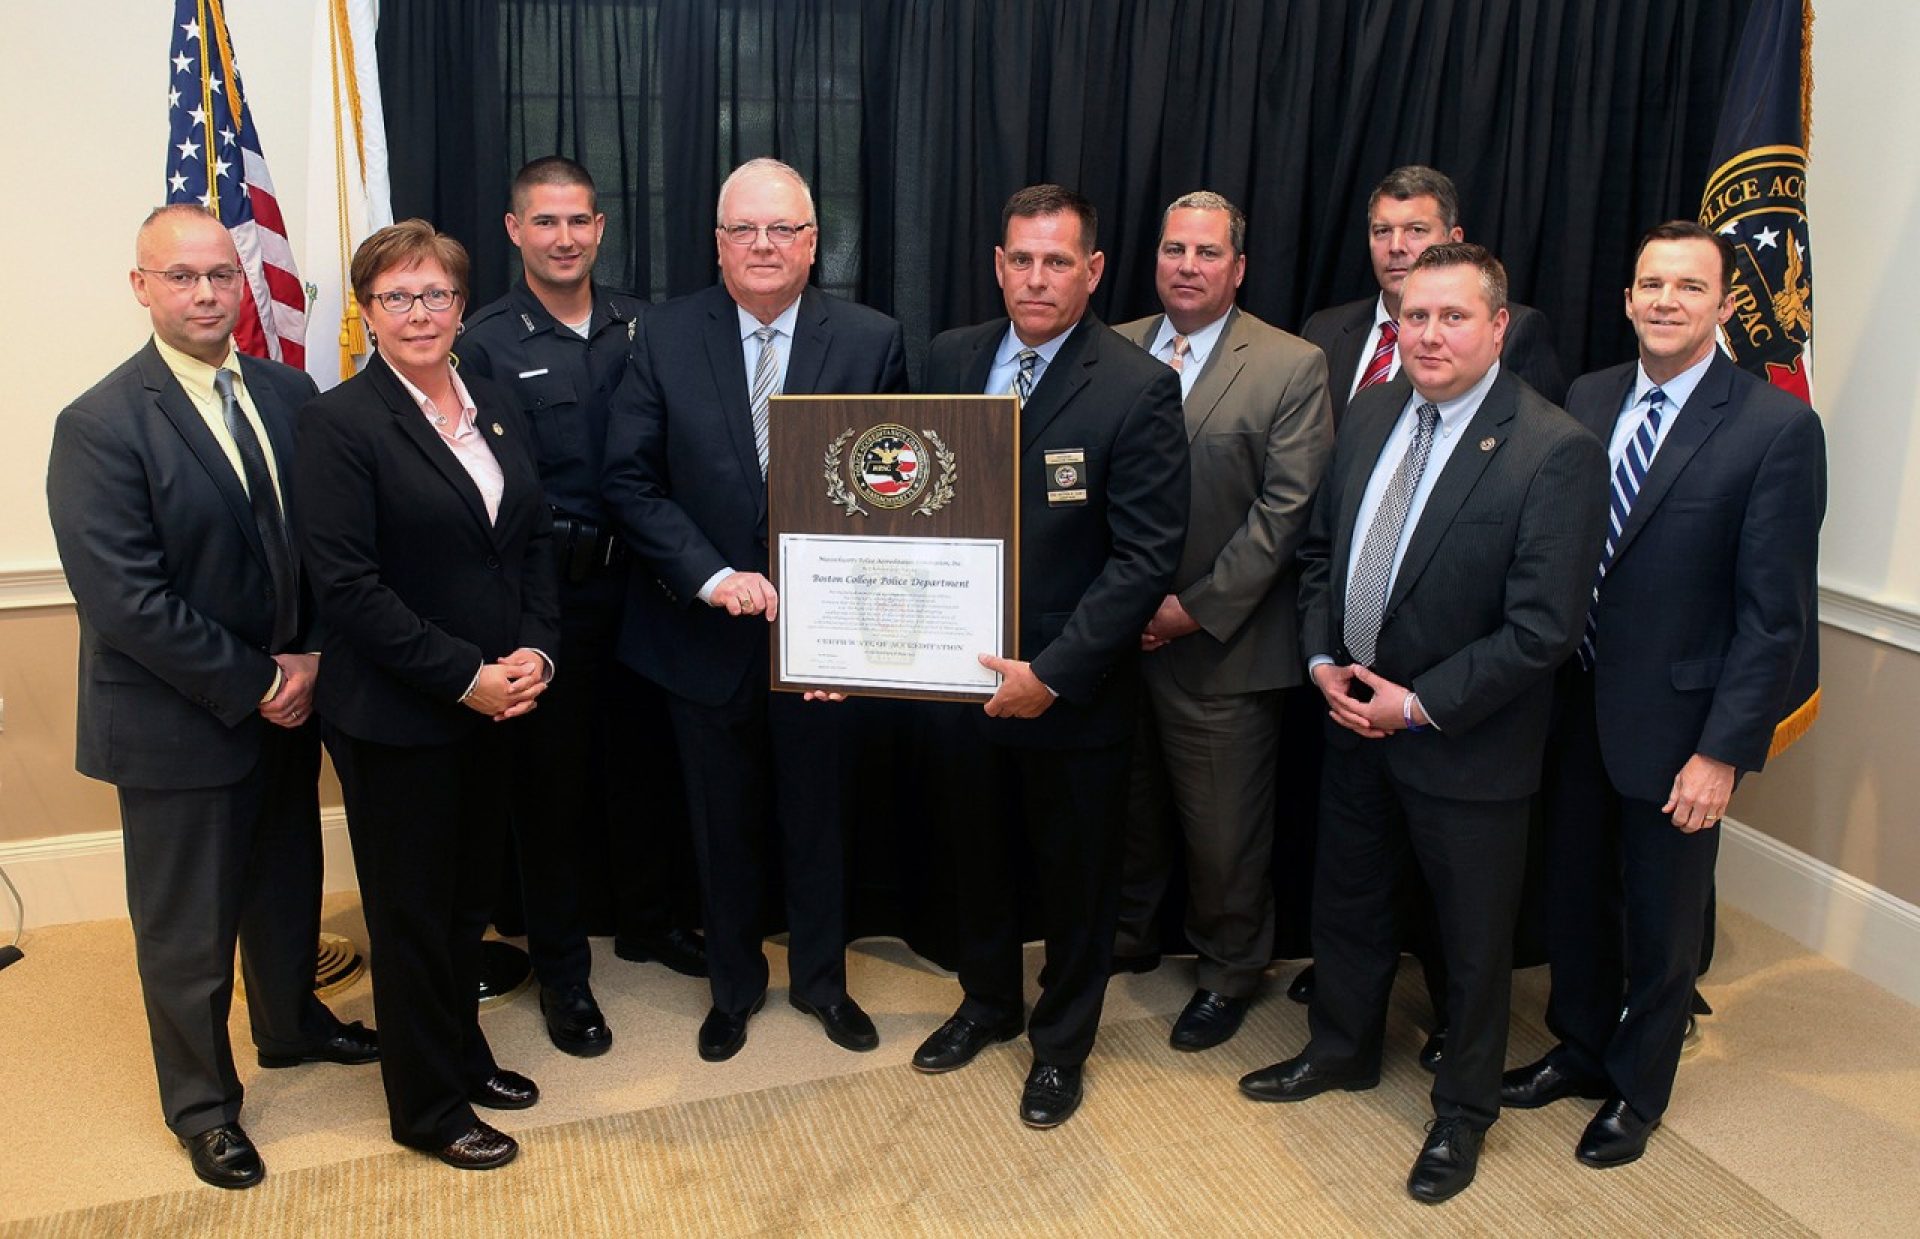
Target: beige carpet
{"points": [[1798, 1116]]}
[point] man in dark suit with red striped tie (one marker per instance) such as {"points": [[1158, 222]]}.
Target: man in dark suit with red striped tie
{"points": [[1411, 208]]}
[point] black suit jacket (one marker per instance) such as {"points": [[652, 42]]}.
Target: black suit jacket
{"points": [[1342, 331], [1708, 606], [683, 479], [1092, 573], [1491, 595], [168, 574], [415, 587]]}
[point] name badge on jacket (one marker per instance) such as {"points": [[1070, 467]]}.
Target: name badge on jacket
{"points": [[1066, 476]]}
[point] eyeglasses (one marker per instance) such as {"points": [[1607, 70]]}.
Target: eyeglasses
{"points": [[437, 300], [181, 280], [777, 234]]}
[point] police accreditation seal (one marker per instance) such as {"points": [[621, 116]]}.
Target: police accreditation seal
{"points": [[890, 467], [1758, 201]]}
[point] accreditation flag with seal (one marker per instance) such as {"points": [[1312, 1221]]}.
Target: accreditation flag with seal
{"points": [[348, 194], [1756, 197]]}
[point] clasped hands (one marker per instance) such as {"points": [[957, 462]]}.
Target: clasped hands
{"points": [[1169, 621], [293, 703], [507, 687], [1382, 714]]}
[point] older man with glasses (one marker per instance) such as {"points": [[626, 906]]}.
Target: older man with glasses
{"points": [[686, 483]]}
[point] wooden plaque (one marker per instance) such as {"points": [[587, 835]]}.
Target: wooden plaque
{"points": [[893, 535]]}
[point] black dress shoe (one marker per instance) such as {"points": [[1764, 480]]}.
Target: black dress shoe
{"points": [[1446, 1163], [1209, 1019], [1615, 1136], [224, 1157], [480, 1147], [682, 950], [1051, 1095], [1433, 1049], [1296, 1079], [956, 1043], [574, 1021], [505, 1090], [1543, 1083], [1133, 963], [350, 1044], [1301, 988], [722, 1033], [846, 1024]]}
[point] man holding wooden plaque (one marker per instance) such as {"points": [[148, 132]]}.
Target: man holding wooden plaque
{"points": [[1103, 509], [685, 479]]}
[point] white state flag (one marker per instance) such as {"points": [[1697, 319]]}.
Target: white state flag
{"points": [[348, 196]]}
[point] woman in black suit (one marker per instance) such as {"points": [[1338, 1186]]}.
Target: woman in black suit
{"points": [[425, 534]]}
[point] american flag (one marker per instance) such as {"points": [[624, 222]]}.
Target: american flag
{"points": [[214, 159]]}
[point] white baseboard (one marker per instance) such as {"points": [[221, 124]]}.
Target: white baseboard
{"points": [[82, 878], [1849, 921]]}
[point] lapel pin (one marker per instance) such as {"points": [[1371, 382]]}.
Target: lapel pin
{"points": [[499, 430], [1486, 444]]}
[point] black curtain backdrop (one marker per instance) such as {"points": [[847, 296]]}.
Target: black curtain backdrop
{"points": [[1570, 126]]}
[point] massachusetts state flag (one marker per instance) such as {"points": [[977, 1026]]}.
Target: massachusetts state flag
{"points": [[214, 159], [1757, 198]]}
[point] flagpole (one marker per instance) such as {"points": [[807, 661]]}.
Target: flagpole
{"points": [[206, 114]]}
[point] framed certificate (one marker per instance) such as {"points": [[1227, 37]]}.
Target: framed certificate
{"points": [[893, 523]]}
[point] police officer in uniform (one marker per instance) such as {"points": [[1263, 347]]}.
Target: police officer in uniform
{"points": [[599, 743]]}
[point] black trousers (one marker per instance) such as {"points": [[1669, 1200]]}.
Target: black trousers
{"points": [[207, 865], [1047, 824], [599, 818], [427, 824], [1630, 900], [1472, 855], [767, 790]]}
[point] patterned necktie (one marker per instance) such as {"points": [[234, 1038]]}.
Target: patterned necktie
{"points": [[1367, 591], [1023, 380], [1181, 348], [267, 517], [1628, 477], [766, 373], [1381, 364]]}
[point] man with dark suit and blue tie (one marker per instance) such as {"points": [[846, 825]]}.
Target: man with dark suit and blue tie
{"points": [[1702, 610], [1443, 576], [1103, 514], [686, 482], [168, 487]]}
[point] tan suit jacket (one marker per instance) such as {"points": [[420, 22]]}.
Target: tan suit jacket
{"points": [[1260, 432]]}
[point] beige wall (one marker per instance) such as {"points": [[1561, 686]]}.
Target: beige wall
{"points": [[1849, 793], [41, 796]]}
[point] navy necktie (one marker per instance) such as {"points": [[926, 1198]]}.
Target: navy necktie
{"points": [[1628, 477]]}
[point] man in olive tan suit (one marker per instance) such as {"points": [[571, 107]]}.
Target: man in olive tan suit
{"points": [[1223, 645]]}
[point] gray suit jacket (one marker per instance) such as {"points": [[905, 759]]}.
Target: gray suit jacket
{"points": [[1259, 433], [168, 575]]}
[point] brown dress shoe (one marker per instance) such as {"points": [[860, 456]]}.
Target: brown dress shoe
{"points": [[480, 1147]]}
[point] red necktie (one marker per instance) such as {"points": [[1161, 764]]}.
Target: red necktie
{"points": [[1382, 363]]}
